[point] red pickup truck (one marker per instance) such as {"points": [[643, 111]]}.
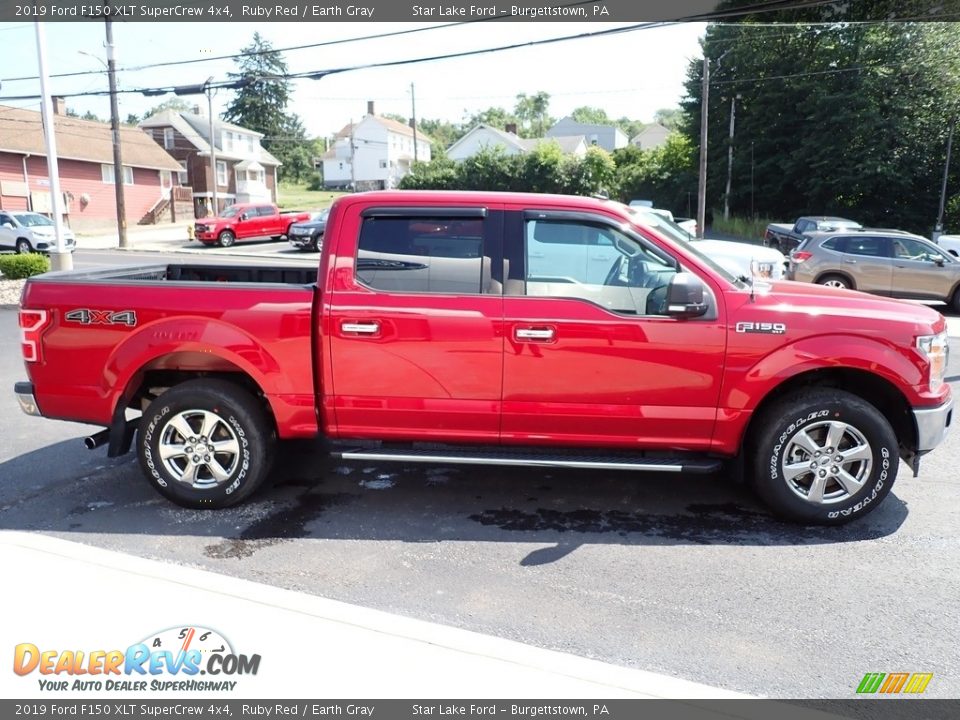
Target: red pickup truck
{"points": [[495, 329], [244, 221]]}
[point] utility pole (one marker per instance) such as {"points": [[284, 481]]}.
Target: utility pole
{"points": [[702, 183], [353, 175], [938, 230], [60, 259], [213, 145], [115, 131], [752, 215], [413, 103], [726, 195]]}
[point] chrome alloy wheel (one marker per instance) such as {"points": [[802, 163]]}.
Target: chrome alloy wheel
{"points": [[835, 284], [199, 449], [827, 462]]}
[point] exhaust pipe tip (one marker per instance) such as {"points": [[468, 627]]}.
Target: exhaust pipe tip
{"points": [[94, 441]]}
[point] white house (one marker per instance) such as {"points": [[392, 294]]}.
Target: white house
{"points": [[609, 137], [374, 153], [652, 136], [486, 136]]}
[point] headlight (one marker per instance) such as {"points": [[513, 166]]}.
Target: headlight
{"points": [[936, 348], [763, 269]]}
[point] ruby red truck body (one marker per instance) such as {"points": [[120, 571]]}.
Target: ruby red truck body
{"points": [[331, 354], [243, 221]]}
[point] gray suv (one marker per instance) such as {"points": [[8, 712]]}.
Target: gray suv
{"points": [[883, 262]]}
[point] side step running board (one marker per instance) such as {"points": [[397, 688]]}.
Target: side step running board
{"points": [[530, 459]]}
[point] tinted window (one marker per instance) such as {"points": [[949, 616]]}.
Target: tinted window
{"points": [[265, 210], [422, 254], [870, 246], [593, 262], [836, 244]]}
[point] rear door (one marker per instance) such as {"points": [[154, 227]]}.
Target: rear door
{"points": [[8, 235], [414, 326], [866, 258], [597, 362]]}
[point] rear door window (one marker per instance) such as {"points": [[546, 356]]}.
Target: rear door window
{"points": [[423, 254], [868, 246]]}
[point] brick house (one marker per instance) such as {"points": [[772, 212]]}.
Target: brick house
{"points": [[85, 161], [246, 172]]}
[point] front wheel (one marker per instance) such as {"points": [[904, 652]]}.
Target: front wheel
{"points": [[23, 246], [205, 444], [823, 457], [226, 238]]}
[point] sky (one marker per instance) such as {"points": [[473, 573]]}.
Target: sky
{"points": [[630, 74]]}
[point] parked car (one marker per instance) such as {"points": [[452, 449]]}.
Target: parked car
{"points": [[31, 232], [741, 259], [950, 243], [885, 263], [430, 323], [307, 235], [785, 238], [245, 221]]}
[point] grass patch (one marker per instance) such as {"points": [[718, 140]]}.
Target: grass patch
{"points": [[296, 196], [743, 227]]}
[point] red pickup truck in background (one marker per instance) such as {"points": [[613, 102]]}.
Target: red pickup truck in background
{"points": [[498, 329], [244, 221]]}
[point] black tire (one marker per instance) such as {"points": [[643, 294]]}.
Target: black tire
{"points": [[315, 242], [835, 281], [778, 460], [23, 246], [955, 301], [240, 446], [226, 238], [276, 237]]}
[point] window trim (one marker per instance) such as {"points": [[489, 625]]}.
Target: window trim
{"points": [[169, 139], [226, 174], [106, 170]]}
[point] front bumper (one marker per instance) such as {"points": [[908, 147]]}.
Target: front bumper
{"points": [[28, 403], [932, 425], [301, 241]]}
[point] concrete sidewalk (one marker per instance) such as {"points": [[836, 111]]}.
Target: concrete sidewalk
{"points": [[77, 597], [139, 237]]}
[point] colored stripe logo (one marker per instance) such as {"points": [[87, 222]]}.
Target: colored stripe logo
{"points": [[894, 683]]}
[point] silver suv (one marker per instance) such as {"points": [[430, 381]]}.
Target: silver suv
{"points": [[883, 262]]}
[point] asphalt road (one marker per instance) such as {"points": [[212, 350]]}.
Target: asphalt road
{"points": [[687, 576]]}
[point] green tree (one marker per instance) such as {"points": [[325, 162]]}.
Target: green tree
{"points": [[176, 104], [591, 115], [493, 116], [532, 112], [260, 104]]}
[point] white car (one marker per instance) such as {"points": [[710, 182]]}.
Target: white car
{"points": [[950, 243], [28, 232], [740, 259]]}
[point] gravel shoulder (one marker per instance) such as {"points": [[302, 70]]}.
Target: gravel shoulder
{"points": [[10, 292]]}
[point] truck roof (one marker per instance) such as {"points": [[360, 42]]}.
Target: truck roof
{"points": [[453, 197]]}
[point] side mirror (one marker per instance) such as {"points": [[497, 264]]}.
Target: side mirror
{"points": [[685, 296], [244, 216], [939, 261]]}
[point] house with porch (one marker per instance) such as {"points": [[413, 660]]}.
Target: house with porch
{"points": [[245, 172]]}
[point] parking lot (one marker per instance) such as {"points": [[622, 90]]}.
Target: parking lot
{"points": [[686, 576]]}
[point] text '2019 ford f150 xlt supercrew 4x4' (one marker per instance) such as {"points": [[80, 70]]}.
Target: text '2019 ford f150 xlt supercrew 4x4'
{"points": [[491, 328]]}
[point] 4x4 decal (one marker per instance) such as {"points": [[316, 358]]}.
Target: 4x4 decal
{"points": [[85, 316]]}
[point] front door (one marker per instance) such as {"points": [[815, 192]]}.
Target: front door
{"points": [[867, 259], [922, 271], [415, 339], [593, 359]]}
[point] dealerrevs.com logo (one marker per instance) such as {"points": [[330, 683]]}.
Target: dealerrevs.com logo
{"points": [[179, 659]]}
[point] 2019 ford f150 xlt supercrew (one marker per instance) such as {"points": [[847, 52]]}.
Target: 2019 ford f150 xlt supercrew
{"points": [[460, 328]]}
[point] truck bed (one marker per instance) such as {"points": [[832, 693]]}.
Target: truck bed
{"points": [[192, 273]]}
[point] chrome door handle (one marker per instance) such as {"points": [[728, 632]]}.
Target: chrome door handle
{"points": [[362, 328], [850, 262], [538, 255], [534, 333]]}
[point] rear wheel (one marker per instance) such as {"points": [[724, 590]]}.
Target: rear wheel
{"points": [[24, 246], [823, 457], [955, 301], [835, 281], [226, 238], [205, 444]]}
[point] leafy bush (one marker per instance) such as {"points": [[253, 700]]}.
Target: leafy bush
{"points": [[17, 267], [743, 227]]}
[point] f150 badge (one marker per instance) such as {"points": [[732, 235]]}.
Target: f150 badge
{"points": [[762, 327], [102, 317]]}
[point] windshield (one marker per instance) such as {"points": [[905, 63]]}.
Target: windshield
{"points": [[320, 216], [675, 233], [32, 219]]}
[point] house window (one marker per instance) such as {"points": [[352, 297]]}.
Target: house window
{"points": [[168, 141], [166, 179], [222, 174], [227, 141], [106, 174], [182, 175], [383, 164], [250, 143]]}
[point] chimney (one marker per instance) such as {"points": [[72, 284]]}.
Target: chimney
{"points": [[197, 110], [370, 107], [59, 105], [511, 128]]}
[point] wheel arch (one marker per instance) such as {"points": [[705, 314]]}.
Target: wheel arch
{"points": [[839, 273], [871, 388]]}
